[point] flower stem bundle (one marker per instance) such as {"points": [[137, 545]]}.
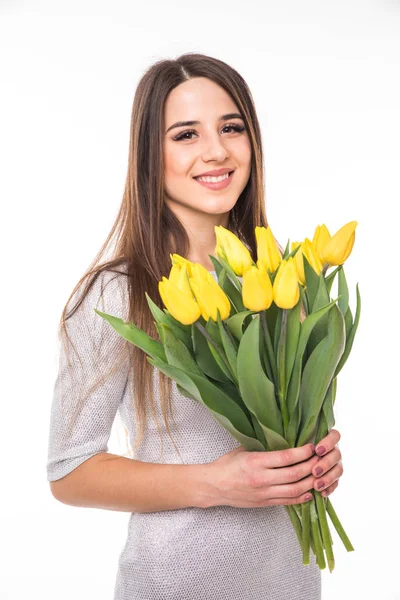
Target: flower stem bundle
{"points": [[261, 348]]}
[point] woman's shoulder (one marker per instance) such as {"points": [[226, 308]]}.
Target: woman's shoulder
{"points": [[105, 290]]}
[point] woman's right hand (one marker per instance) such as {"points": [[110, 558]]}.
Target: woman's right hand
{"points": [[248, 479]]}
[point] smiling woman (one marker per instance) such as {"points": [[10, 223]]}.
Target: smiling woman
{"points": [[214, 154], [207, 518]]}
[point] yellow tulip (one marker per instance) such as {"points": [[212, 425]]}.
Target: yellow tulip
{"points": [[307, 249], [177, 259], [338, 248], [320, 239], [209, 295], [178, 297], [268, 255], [256, 289], [232, 250], [286, 285]]}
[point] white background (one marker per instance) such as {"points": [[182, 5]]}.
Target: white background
{"points": [[325, 79]]}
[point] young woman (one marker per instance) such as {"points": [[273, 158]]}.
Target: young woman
{"points": [[207, 517]]}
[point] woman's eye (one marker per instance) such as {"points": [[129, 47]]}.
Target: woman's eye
{"points": [[182, 136]]}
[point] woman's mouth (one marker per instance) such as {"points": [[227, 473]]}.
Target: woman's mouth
{"points": [[215, 183]]}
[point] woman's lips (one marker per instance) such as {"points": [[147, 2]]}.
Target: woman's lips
{"points": [[218, 185]]}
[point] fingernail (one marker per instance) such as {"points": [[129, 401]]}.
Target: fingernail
{"points": [[321, 450], [318, 471], [320, 484], [312, 448], [308, 497]]}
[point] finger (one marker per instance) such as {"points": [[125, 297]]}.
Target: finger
{"points": [[284, 458], [330, 489], [328, 443], [292, 473], [323, 482], [328, 461], [285, 501], [292, 490]]}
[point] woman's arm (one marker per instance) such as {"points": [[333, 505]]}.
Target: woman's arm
{"points": [[114, 482]]}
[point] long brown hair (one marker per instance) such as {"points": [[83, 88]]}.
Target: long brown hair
{"points": [[146, 231]]}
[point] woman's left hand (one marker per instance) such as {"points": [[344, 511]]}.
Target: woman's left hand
{"points": [[330, 463]]}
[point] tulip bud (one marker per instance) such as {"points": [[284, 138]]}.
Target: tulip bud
{"points": [[320, 239], [307, 249], [178, 298], [180, 260], [256, 289], [232, 250], [209, 295], [268, 255], [338, 248], [286, 285]]}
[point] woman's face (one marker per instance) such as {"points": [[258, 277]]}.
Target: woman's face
{"points": [[216, 141]]}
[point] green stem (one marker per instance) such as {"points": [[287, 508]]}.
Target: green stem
{"points": [[305, 513], [295, 522], [338, 526], [323, 523], [270, 348], [282, 371], [319, 551]]}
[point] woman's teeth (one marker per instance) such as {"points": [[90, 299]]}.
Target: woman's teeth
{"points": [[209, 179]]}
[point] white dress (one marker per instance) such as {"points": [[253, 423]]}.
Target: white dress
{"points": [[222, 552]]}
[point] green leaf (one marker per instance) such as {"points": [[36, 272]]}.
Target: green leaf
{"points": [[271, 314], [292, 337], [318, 374], [257, 390], [326, 419], [293, 428], [232, 274], [277, 331], [217, 265], [329, 279], [321, 299], [181, 331], [292, 253], [234, 295], [348, 321], [176, 352], [286, 251], [217, 349], [351, 336], [184, 392], [204, 357], [343, 291], [230, 345], [222, 407], [312, 282], [306, 328], [235, 323], [134, 335]]}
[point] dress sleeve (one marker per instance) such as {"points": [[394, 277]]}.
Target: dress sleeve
{"points": [[91, 380]]}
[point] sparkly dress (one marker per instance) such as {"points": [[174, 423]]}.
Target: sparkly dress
{"points": [[217, 553]]}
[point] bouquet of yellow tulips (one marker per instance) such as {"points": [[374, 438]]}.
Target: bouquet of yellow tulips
{"points": [[261, 348]]}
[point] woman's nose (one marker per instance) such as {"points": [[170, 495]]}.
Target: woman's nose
{"points": [[214, 149]]}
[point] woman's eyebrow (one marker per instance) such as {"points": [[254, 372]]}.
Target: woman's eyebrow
{"points": [[227, 117]]}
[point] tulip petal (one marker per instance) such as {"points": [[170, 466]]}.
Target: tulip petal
{"points": [[181, 331]]}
